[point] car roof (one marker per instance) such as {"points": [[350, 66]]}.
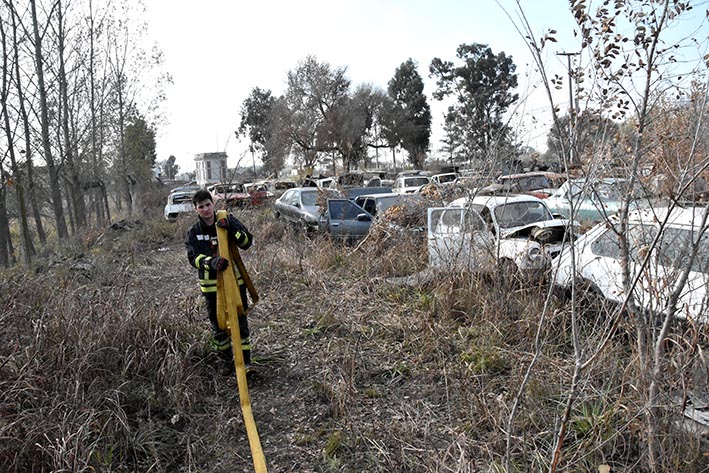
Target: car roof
{"points": [[532, 174], [601, 180], [305, 189], [679, 216], [379, 196], [182, 193], [492, 201]]}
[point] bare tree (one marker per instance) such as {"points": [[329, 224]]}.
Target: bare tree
{"points": [[630, 75], [72, 169], [52, 168], [18, 179]]}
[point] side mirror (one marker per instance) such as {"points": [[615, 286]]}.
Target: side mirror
{"points": [[364, 218], [558, 216]]}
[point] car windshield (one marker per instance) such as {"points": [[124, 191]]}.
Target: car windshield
{"points": [[181, 198], [386, 202], [526, 183], [443, 178], [415, 181], [517, 214], [602, 191], [309, 198]]}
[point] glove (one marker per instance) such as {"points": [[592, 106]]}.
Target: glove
{"points": [[223, 223], [240, 234], [217, 263]]}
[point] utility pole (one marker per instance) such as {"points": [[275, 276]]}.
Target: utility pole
{"points": [[572, 109]]}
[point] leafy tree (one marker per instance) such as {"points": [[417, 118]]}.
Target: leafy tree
{"points": [[279, 144], [170, 168], [140, 148], [595, 135], [679, 143], [315, 92], [387, 118], [410, 118], [353, 122], [482, 86], [256, 114]]}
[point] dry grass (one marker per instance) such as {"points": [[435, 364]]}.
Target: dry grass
{"points": [[104, 365]]}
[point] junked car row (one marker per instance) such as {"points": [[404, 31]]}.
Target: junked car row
{"points": [[531, 237], [225, 194]]}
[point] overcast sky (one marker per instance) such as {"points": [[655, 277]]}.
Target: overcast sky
{"points": [[217, 51]]}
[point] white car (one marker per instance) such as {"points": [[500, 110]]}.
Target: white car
{"points": [[459, 240], [526, 235], [178, 203], [598, 262], [445, 178], [408, 184], [594, 200]]}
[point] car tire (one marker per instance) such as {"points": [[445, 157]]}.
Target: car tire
{"points": [[543, 235], [590, 301], [507, 272]]}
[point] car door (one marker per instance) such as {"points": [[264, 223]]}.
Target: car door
{"points": [[674, 256], [458, 240], [347, 220], [292, 208], [598, 261]]}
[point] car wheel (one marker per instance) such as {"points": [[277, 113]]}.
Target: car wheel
{"points": [[590, 301], [302, 228], [543, 235], [507, 272]]}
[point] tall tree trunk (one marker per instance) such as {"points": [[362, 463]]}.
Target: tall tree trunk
{"points": [[5, 238], [31, 190], [55, 187], [124, 178], [97, 193], [75, 191], [27, 247], [104, 191]]}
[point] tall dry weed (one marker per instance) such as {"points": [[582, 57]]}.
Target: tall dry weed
{"points": [[104, 364]]}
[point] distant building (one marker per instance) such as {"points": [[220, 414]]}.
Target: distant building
{"points": [[210, 167]]}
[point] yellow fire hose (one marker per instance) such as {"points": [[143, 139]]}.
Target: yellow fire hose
{"points": [[229, 306]]}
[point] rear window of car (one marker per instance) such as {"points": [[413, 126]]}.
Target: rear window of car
{"points": [[677, 250], [343, 210], [415, 181], [309, 198], [521, 213], [640, 238], [456, 220]]}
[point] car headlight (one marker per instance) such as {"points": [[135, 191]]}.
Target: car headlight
{"points": [[534, 253]]}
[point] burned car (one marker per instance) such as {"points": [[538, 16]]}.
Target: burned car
{"points": [[229, 195], [537, 183], [526, 235]]}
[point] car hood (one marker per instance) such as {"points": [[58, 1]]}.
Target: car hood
{"points": [[232, 195], [312, 210], [523, 231]]}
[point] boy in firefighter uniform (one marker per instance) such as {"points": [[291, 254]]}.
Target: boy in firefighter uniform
{"points": [[203, 254]]}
